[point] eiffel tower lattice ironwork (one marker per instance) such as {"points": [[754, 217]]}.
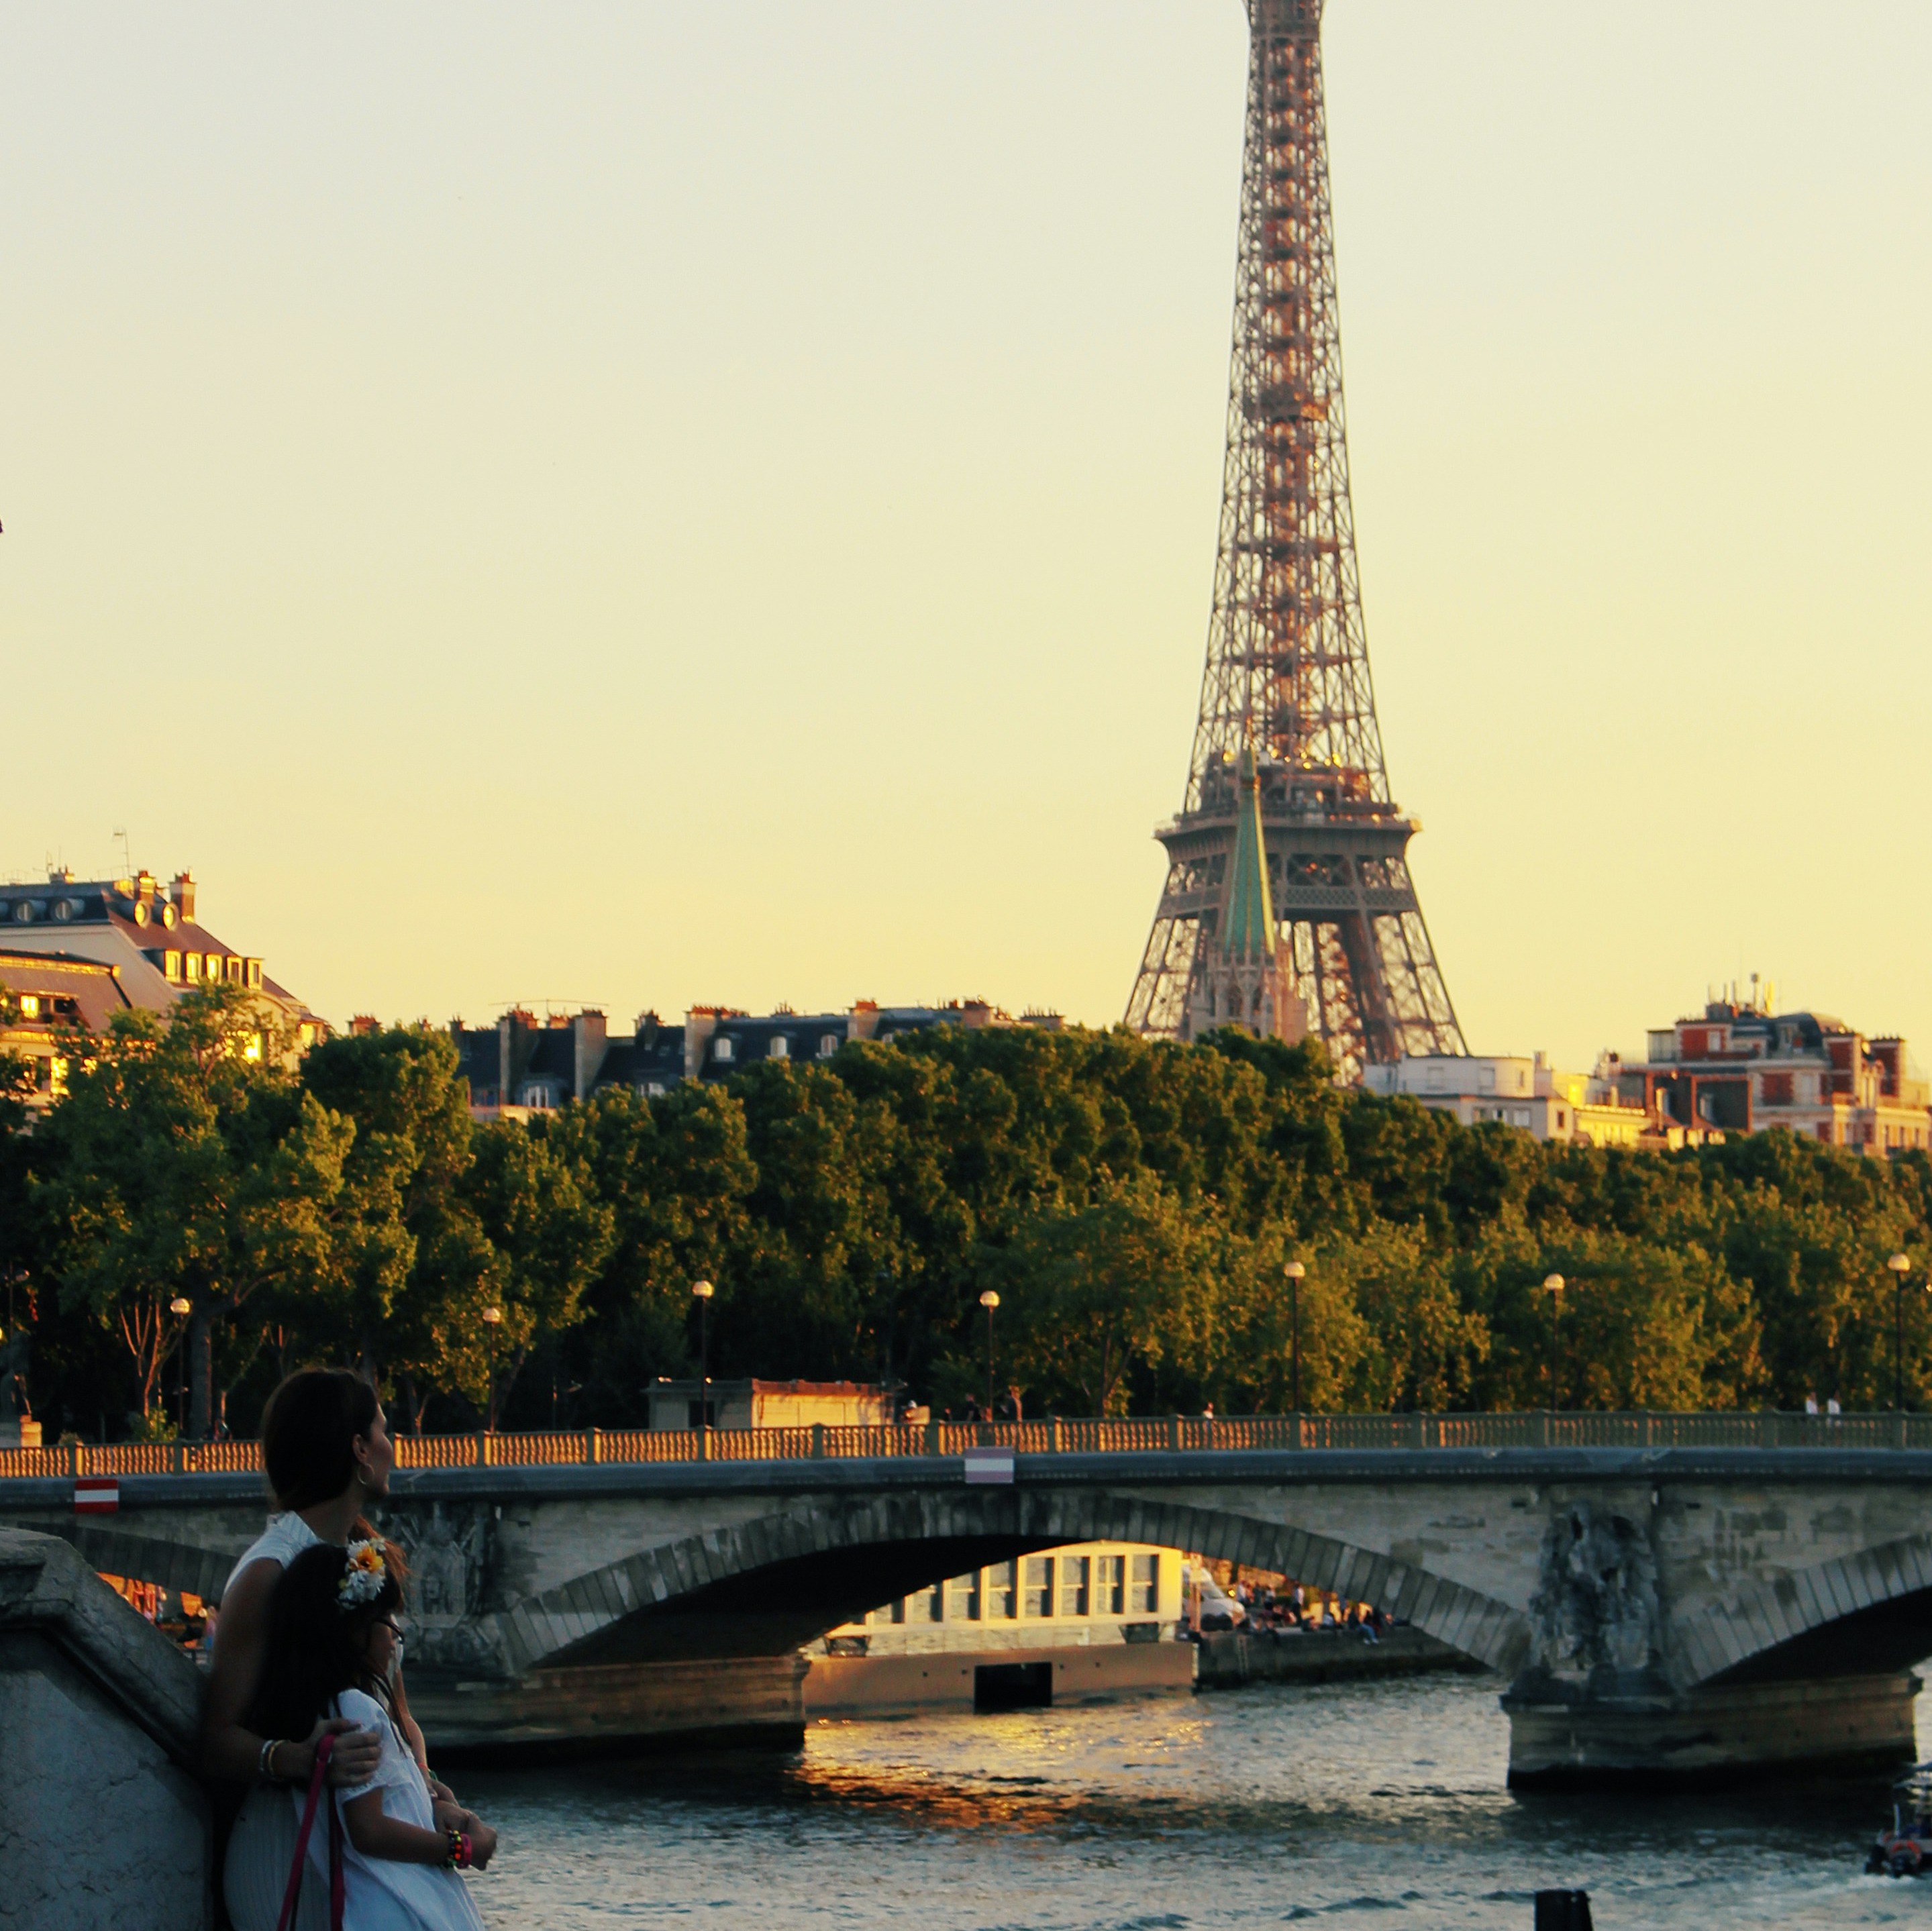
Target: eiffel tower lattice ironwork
{"points": [[1287, 732]]}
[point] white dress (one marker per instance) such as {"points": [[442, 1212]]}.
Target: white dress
{"points": [[261, 1848], [385, 1893]]}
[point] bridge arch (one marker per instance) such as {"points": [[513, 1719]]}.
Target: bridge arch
{"points": [[786, 1576], [1865, 1614]]}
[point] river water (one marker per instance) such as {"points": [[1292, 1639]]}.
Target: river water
{"points": [[1359, 1806]]}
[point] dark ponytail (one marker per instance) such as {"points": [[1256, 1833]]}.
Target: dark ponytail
{"points": [[314, 1648]]}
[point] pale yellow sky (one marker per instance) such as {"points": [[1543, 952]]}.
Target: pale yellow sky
{"points": [[651, 503]]}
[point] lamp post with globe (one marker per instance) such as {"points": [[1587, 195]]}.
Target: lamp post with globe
{"points": [[701, 1292], [1295, 1273], [492, 1319], [989, 1300], [1552, 1285]]}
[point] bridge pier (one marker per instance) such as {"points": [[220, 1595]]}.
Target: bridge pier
{"points": [[1716, 1734]]}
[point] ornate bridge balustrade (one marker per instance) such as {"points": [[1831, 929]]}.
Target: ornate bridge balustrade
{"points": [[1055, 1435], [1686, 1602]]}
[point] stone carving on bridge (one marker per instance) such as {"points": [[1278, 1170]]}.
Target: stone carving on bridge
{"points": [[1595, 1612], [447, 1550]]}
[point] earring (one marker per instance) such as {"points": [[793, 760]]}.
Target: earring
{"points": [[361, 1477]]}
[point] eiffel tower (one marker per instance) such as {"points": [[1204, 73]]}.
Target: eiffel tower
{"points": [[1289, 907]]}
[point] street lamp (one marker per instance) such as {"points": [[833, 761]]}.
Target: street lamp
{"points": [[1296, 1273], [989, 1300], [1900, 1266], [701, 1292], [492, 1319], [180, 1306], [1552, 1285]]}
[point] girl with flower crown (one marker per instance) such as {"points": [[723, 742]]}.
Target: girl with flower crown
{"points": [[334, 1646]]}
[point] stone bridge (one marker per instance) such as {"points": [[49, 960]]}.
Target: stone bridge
{"points": [[1657, 1613]]}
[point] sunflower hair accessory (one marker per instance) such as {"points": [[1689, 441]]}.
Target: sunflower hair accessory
{"points": [[362, 1579]]}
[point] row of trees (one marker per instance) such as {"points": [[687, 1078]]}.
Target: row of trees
{"points": [[1134, 1205]]}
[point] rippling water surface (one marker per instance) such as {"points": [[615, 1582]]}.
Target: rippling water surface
{"points": [[1357, 1805]]}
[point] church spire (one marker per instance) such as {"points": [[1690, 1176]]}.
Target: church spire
{"points": [[1247, 929]]}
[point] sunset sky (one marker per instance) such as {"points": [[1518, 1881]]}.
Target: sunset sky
{"points": [[651, 503]]}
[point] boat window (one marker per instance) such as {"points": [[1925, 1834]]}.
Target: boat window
{"points": [[1039, 1586], [1073, 1582], [1002, 1603], [1110, 1585], [1146, 1600], [962, 1598]]}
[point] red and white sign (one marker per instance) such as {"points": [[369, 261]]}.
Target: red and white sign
{"points": [[97, 1495], [989, 1465]]}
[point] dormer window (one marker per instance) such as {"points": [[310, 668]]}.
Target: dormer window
{"points": [[254, 974], [828, 1044], [30, 1005], [721, 1049], [538, 1099], [780, 1048], [190, 968], [171, 968]]}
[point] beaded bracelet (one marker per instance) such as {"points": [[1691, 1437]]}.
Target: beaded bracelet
{"points": [[460, 1850]]}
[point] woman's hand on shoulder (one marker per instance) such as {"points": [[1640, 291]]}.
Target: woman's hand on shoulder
{"points": [[354, 1759]]}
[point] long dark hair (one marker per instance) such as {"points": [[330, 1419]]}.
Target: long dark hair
{"points": [[315, 1648], [308, 1434]]}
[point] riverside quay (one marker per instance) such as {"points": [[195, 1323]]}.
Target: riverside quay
{"points": [[1668, 1596]]}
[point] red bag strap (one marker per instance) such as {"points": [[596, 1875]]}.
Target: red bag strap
{"points": [[325, 1745]]}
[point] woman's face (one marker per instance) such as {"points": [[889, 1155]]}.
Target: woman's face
{"points": [[375, 1456]]}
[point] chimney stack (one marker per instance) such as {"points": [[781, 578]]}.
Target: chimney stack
{"points": [[184, 895]]}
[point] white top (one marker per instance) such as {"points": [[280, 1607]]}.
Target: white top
{"points": [[384, 1893], [280, 1542]]}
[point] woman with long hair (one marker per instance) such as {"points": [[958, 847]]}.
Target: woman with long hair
{"points": [[327, 1454], [333, 1651]]}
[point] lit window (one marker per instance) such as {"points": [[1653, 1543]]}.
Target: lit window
{"points": [[171, 967], [721, 1049], [30, 1005], [191, 968], [253, 1049], [780, 1048]]}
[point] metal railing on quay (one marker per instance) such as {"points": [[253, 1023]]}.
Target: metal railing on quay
{"points": [[1135, 1435]]}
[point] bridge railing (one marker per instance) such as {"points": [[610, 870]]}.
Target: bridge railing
{"points": [[1053, 1435]]}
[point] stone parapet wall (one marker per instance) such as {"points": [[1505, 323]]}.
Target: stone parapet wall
{"points": [[102, 1818]]}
